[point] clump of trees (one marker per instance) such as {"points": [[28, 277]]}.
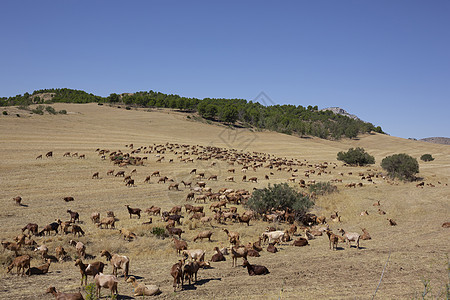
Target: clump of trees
{"points": [[356, 157], [427, 157], [289, 119], [281, 197], [401, 166]]}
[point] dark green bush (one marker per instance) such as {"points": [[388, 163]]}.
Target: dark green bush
{"points": [[5, 113], [279, 196], [50, 110], [38, 110], [62, 112], [322, 188], [401, 166], [159, 232], [427, 157], [127, 108], [356, 156]]}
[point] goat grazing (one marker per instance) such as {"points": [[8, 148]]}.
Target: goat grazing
{"points": [[350, 237], [89, 269], [204, 235], [106, 281], [177, 274], [20, 262], [118, 262]]}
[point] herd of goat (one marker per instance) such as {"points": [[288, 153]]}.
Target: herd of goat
{"points": [[222, 207]]}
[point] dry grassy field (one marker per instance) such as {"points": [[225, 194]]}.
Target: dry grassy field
{"points": [[418, 245]]}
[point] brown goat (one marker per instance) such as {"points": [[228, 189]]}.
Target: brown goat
{"points": [[20, 262], [89, 269], [43, 269], [177, 274], [180, 245], [204, 235], [255, 269], [64, 296]]}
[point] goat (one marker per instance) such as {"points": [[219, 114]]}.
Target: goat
{"points": [[244, 219], [392, 222], [51, 227], [334, 239], [180, 245], [189, 270], [204, 235], [177, 274], [31, 227], [366, 235], [77, 230], [231, 235], [300, 242], [238, 252], [106, 281], [108, 221], [118, 262], [95, 217], [350, 236], [60, 253], [154, 210], [134, 211], [218, 256], [141, 289], [17, 199], [271, 248], [39, 270], [64, 296], [174, 231], [255, 269], [74, 216], [195, 254], [272, 235], [90, 269], [20, 262], [15, 247], [127, 234]]}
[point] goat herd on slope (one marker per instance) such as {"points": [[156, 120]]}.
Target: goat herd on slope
{"points": [[220, 211]]}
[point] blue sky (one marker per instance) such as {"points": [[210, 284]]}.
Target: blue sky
{"points": [[387, 62]]}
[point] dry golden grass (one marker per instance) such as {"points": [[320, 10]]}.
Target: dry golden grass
{"points": [[418, 245]]}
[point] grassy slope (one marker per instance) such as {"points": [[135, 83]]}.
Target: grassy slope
{"points": [[418, 244]]}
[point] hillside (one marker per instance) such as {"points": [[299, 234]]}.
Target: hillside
{"points": [[437, 140], [288, 119], [418, 246]]}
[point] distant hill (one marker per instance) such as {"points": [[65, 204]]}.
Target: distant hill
{"points": [[333, 123], [437, 140], [341, 111]]}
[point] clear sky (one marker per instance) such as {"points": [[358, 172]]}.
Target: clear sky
{"points": [[388, 62]]}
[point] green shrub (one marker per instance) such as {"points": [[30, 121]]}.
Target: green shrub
{"points": [[159, 232], [356, 156], [5, 113], [401, 166], [427, 157], [322, 188], [279, 196], [127, 108], [91, 291], [38, 110], [62, 112], [50, 110]]}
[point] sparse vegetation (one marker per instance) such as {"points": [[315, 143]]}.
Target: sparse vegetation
{"points": [[356, 157], [279, 196], [5, 113], [427, 157], [90, 292], [62, 112], [159, 232], [401, 166]]}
